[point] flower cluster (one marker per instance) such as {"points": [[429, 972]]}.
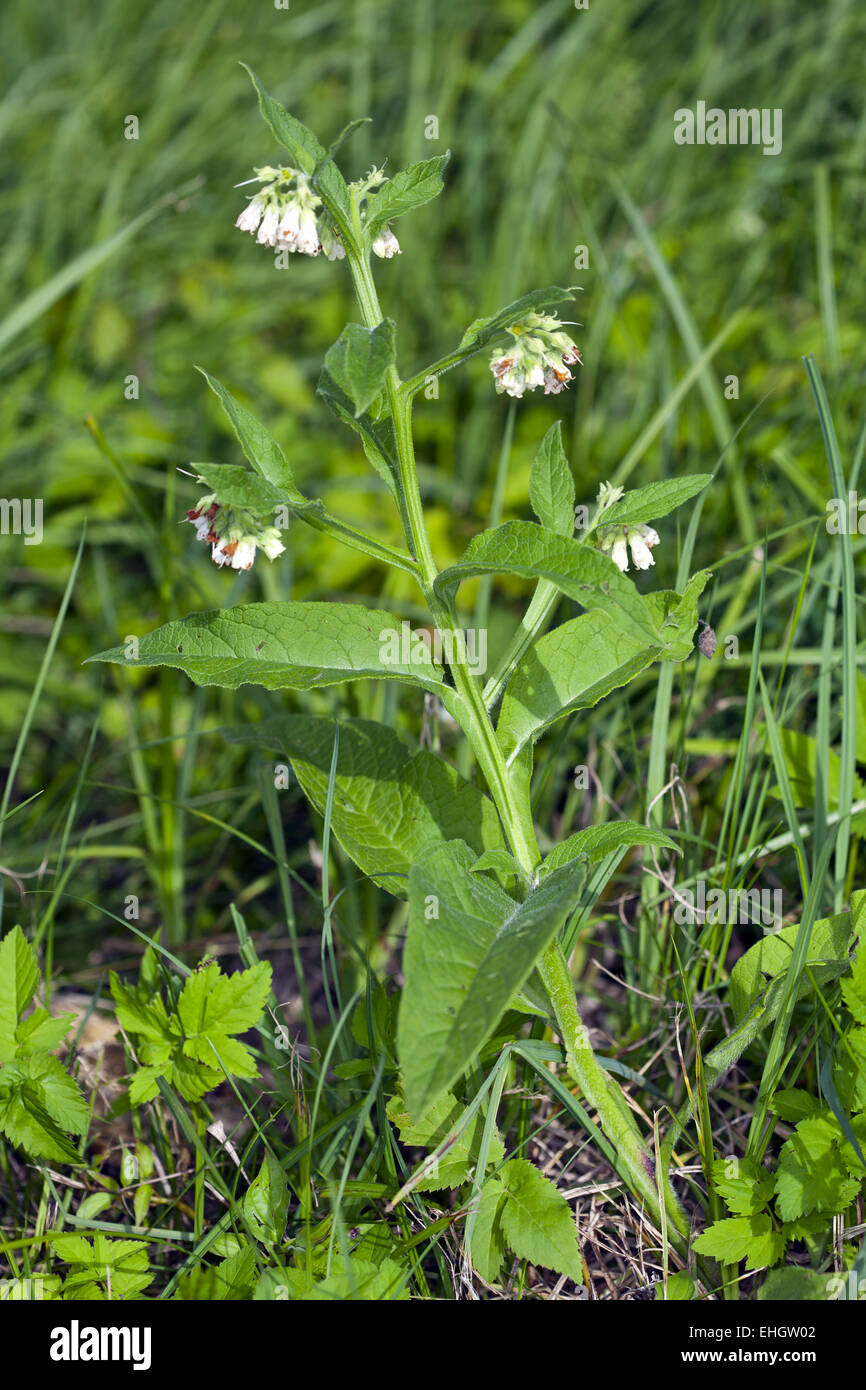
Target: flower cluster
{"points": [[286, 212], [540, 356], [616, 540], [233, 533]]}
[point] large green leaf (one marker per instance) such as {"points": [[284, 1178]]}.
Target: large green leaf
{"points": [[282, 646], [655, 500], [571, 668], [408, 189], [469, 949], [391, 806], [551, 486], [481, 331], [359, 360], [583, 574]]}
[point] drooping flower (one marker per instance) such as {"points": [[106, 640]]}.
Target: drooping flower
{"points": [[386, 244], [251, 216], [616, 541], [269, 226], [233, 533], [540, 355], [640, 538]]}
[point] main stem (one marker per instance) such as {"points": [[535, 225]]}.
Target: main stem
{"points": [[598, 1086]]}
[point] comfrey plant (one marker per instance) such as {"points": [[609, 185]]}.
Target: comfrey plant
{"points": [[489, 918]]}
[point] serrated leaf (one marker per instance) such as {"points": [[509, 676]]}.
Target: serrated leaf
{"points": [[358, 1280], [391, 806], [794, 1105], [41, 1032], [811, 1175], [140, 1016], [25, 1120], [487, 1247], [440, 1121], [144, 1085], [19, 976], [749, 1238], [410, 188], [284, 645], [537, 1222], [481, 331], [745, 1191], [570, 668], [654, 501], [793, 1284], [463, 964], [583, 574], [597, 841], [551, 486], [358, 361], [266, 1202]]}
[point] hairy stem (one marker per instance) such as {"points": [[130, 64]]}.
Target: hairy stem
{"points": [[604, 1095]]}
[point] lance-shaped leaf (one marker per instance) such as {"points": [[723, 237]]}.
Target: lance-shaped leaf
{"points": [[262, 450], [597, 841], [481, 331], [469, 949], [306, 153], [571, 668], [19, 976], [551, 486], [283, 646], [655, 500], [391, 806], [359, 360], [408, 189], [584, 574], [377, 437]]}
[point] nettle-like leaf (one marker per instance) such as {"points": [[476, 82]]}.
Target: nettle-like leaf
{"points": [[102, 1267], [814, 1174], [751, 1238], [744, 1186], [570, 668], [40, 1103], [537, 1222], [583, 574], [192, 1046], [359, 360], [231, 1281], [443, 1126], [551, 485], [284, 646], [482, 331], [469, 948], [597, 841], [409, 189], [391, 805], [654, 501]]}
